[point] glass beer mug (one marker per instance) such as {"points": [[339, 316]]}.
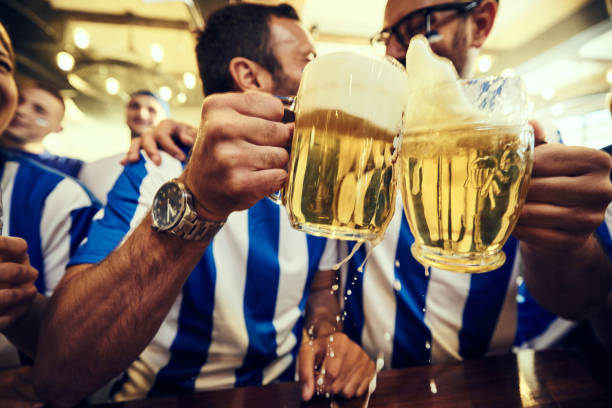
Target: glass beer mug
{"points": [[348, 125], [466, 161]]}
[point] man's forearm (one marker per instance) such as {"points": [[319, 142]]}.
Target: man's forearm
{"points": [[572, 285], [102, 316], [24, 332], [323, 308]]}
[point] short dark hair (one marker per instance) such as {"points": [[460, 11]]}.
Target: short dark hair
{"points": [[239, 30], [45, 86]]}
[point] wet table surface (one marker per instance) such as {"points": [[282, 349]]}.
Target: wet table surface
{"points": [[527, 379]]}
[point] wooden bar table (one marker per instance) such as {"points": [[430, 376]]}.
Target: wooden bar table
{"points": [[549, 378]]}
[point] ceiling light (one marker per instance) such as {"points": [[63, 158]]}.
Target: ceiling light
{"points": [[165, 93], [190, 80], [548, 94], [484, 63], [508, 72], [65, 61], [557, 109], [112, 86], [157, 52], [609, 76], [81, 37], [181, 98]]}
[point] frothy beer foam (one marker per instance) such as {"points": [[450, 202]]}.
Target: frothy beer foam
{"points": [[368, 87], [435, 97]]}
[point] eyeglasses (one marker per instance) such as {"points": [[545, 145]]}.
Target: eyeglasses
{"points": [[420, 22]]}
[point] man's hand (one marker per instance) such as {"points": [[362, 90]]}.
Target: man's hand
{"points": [[164, 137], [17, 277], [334, 364], [239, 156], [567, 198]]}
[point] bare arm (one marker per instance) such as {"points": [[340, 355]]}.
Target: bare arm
{"points": [[567, 271], [102, 316]]}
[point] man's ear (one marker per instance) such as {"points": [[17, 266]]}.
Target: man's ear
{"points": [[482, 22], [249, 75]]}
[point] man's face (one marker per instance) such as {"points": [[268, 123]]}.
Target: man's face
{"points": [[38, 114], [453, 28], [143, 112], [293, 48]]}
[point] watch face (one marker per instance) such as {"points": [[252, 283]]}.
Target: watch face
{"points": [[168, 206]]}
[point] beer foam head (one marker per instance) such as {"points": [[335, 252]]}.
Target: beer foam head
{"points": [[436, 97], [368, 87]]}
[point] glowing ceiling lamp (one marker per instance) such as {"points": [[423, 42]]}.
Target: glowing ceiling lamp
{"points": [[81, 37], [157, 52], [165, 92], [112, 86], [190, 80], [65, 61]]}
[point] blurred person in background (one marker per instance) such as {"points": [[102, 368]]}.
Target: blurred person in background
{"points": [[45, 216], [208, 313], [144, 110], [40, 111]]}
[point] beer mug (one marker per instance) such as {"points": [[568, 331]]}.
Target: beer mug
{"points": [[466, 161], [348, 121]]}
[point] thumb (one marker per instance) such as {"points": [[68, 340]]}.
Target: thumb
{"points": [[538, 132]]}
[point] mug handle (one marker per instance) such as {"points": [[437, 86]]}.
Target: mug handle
{"points": [[289, 103]]}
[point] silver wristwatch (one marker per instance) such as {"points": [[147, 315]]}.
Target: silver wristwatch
{"points": [[173, 212]]}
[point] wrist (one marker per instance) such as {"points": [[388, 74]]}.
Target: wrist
{"points": [[199, 204]]}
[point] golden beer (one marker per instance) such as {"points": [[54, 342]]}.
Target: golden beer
{"points": [[341, 177], [463, 190], [348, 114]]}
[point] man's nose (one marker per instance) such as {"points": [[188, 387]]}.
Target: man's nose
{"points": [[395, 49]]}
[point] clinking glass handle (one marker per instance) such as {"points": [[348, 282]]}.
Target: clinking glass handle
{"points": [[289, 102]]}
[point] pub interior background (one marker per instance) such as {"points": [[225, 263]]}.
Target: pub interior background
{"points": [[99, 52]]}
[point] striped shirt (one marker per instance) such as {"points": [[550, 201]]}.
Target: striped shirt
{"points": [[238, 320], [51, 211], [398, 310]]}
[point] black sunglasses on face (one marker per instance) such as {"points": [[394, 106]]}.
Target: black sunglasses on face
{"points": [[419, 22]]}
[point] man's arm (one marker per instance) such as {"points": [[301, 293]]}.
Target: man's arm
{"points": [[566, 270], [102, 316], [328, 354]]}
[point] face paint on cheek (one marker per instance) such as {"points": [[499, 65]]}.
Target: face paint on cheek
{"points": [[41, 122]]}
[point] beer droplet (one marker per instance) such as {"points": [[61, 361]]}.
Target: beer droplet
{"points": [[331, 339], [427, 270], [349, 292], [397, 263], [335, 287], [397, 285], [427, 345], [433, 387], [380, 363], [320, 381]]}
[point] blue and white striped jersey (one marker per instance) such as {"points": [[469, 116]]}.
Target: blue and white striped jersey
{"points": [[411, 316], [238, 320], [51, 211]]}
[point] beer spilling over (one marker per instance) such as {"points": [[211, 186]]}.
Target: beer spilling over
{"points": [[342, 180], [466, 161]]}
